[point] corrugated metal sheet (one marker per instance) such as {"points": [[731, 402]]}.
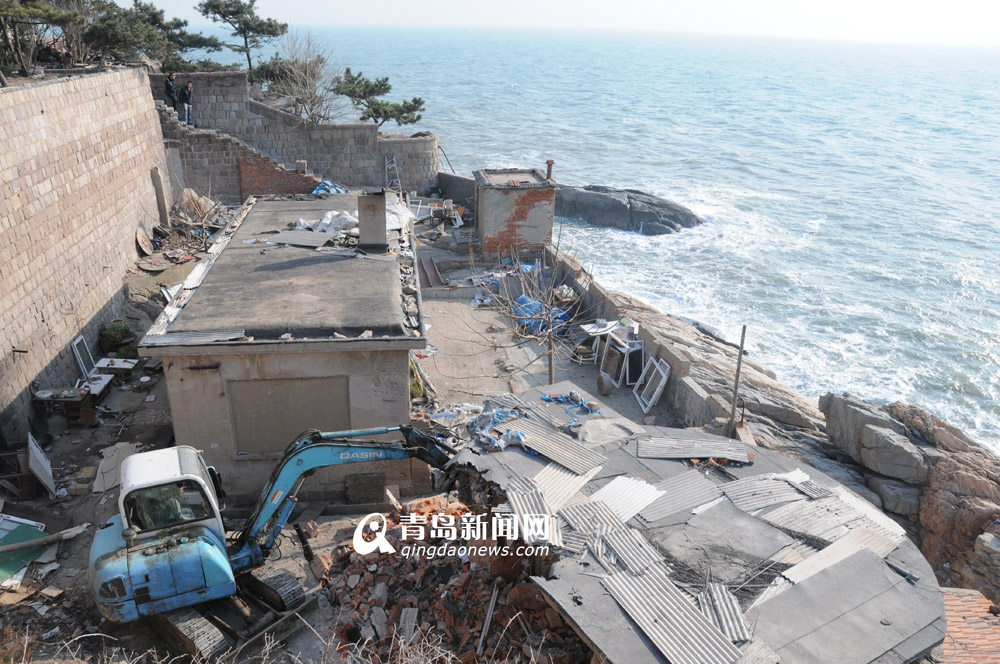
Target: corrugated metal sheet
{"points": [[758, 652], [539, 412], [668, 618], [794, 553], [811, 489], [843, 548], [199, 272], [627, 496], [191, 338], [721, 607], [833, 517], [509, 401], [591, 517], [692, 448], [554, 445], [755, 493], [558, 484], [303, 238], [632, 549], [681, 493], [575, 541]]}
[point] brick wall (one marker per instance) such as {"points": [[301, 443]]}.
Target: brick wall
{"points": [[349, 154], [75, 184], [260, 175]]}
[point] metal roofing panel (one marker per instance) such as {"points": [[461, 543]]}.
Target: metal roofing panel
{"points": [[680, 493], [721, 607], [668, 618], [758, 652], [558, 484], [810, 488], [755, 493], [833, 517], [538, 412], [554, 445], [692, 448], [191, 338], [575, 541], [843, 548], [794, 553], [632, 549], [627, 496], [591, 517], [509, 401], [197, 275]]}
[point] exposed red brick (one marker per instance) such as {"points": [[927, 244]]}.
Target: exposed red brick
{"points": [[259, 175]]}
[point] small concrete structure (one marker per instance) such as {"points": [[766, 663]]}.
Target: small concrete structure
{"points": [[514, 209], [278, 339]]}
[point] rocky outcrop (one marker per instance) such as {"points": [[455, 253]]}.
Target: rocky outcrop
{"points": [[627, 209], [930, 472]]}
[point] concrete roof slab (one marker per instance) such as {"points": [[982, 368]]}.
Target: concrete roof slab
{"points": [[272, 290]]}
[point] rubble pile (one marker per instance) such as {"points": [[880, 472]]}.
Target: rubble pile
{"points": [[452, 596]]}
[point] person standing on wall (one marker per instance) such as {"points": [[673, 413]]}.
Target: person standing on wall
{"points": [[171, 86], [185, 99]]}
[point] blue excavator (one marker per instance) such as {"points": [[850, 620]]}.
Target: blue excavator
{"points": [[166, 556]]}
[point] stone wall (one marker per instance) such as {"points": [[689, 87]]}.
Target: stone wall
{"points": [[349, 154], [75, 185], [225, 168]]}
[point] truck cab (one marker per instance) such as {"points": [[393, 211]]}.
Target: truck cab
{"points": [[166, 547]]}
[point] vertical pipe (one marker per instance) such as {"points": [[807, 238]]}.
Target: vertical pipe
{"points": [[548, 171], [731, 429]]}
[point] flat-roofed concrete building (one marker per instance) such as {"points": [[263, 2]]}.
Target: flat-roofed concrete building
{"points": [[278, 338]]}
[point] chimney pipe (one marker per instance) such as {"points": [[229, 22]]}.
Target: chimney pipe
{"points": [[371, 223], [548, 171]]}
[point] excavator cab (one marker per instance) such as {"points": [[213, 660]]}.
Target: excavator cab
{"points": [[166, 548]]}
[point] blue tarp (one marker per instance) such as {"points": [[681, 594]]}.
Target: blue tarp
{"points": [[327, 187], [531, 314]]}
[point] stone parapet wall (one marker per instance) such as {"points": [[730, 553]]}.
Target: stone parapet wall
{"points": [[75, 185], [349, 154], [225, 168]]}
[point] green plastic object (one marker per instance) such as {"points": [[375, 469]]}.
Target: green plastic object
{"points": [[12, 561]]}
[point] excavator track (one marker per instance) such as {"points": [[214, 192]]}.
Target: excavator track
{"points": [[196, 634], [276, 587]]}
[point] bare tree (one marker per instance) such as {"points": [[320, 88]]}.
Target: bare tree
{"points": [[544, 309], [303, 71]]}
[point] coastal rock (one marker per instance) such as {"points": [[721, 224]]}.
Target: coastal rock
{"points": [[897, 497], [846, 419], [893, 455], [627, 209]]}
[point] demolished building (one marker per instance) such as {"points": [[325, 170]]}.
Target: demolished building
{"points": [[274, 332]]}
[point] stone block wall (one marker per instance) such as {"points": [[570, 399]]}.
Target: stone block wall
{"points": [[225, 168], [349, 154], [75, 185]]}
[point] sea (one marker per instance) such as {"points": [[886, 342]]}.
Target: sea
{"points": [[851, 192]]}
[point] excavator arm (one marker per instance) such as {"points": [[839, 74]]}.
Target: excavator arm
{"points": [[309, 452]]}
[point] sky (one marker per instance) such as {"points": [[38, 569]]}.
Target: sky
{"points": [[947, 22]]}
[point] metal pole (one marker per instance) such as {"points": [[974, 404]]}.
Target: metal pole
{"points": [[731, 429]]}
